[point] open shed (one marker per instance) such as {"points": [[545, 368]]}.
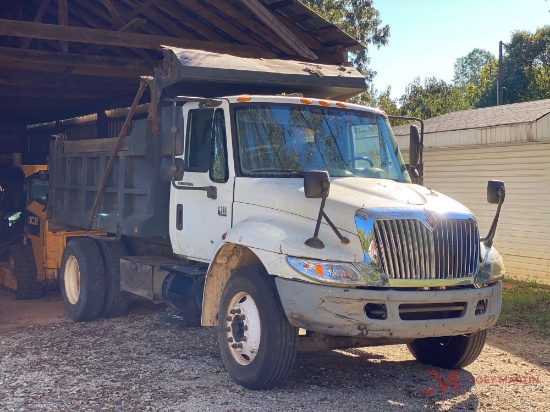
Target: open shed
{"points": [[463, 150], [62, 59]]}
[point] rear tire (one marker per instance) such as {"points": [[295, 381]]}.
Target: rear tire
{"points": [[24, 271], [116, 301], [82, 279], [257, 344], [450, 352]]}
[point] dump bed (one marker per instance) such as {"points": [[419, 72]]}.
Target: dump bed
{"points": [[135, 201]]}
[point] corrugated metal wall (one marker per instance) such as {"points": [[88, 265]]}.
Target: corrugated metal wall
{"points": [[462, 172]]}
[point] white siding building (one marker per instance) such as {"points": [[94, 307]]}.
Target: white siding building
{"points": [[463, 150]]}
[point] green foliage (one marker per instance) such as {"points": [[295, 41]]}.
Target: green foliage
{"points": [[360, 20], [485, 93], [468, 68], [382, 100], [432, 98], [525, 70], [526, 66]]}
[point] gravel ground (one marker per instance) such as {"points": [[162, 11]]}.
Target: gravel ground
{"points": [[138, 362]]}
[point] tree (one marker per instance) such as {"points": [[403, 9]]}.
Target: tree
{"points": [[382, 100], [526, 66], [433, 98], [485, 93], [468, 68], [525, 70], [361, 21]]}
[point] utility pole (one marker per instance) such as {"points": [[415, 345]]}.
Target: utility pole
{"points": [[499, 81]]}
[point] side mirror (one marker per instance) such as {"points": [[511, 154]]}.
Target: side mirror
{"points": [[316, 184], [169, 171], [495, 189], [495, 195], [414, 147]]}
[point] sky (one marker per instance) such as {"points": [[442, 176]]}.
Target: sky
{"points": [[427, 36]]}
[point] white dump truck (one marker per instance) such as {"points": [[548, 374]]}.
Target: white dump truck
{"points": [[281, 215]]}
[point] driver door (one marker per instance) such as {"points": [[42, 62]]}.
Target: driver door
{"points": [[200, 218]]}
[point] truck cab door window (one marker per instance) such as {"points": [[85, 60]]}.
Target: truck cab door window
{"points": [[199, 138], [218, 158]]}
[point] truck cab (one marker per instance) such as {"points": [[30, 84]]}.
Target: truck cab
{"points": [[394, 262]]}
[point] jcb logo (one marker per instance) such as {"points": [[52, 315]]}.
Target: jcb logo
{"points": [[33, 220], [222, 210]]}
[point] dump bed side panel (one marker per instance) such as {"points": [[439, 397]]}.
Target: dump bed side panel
{"points": [[135, 201]]}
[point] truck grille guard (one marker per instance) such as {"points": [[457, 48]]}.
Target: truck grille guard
{"points": [[422, 249]]}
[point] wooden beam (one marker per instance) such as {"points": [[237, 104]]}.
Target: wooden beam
{"points": [[132, 40], [333, 55], [133, 25], [323, 30], [114, 12], [281, 4], [37, 19], [60, 93], [217, 21], [281, 30], [128, 27], [63, 20], [29, 79], [252, 24], [94, 9], [142, 8], [298, 17], [27, 59], [166, 23], [308, 40], [191, 22]]}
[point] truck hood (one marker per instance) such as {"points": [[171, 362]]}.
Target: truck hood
{"points": [[348, 195]]}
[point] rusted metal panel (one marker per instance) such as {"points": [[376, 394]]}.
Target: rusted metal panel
{"points": [[208, 74]]}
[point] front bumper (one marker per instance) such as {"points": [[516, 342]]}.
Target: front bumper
{"points": [[342, 312]]}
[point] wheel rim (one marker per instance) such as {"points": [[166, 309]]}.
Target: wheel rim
{"points": [[71, 278], [243, 328]]}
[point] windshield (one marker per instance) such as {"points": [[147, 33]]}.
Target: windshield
{"points": [[285, 140]]}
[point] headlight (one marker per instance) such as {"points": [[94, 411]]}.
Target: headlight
{"points": [[329, 272]]}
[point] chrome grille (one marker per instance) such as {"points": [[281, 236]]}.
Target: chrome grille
{"points": [[409, 250]]}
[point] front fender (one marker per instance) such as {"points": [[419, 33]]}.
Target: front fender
{"points": [[285, 234], [270, 238]]}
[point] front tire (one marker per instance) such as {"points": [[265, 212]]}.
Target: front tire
{"points": [[257, 344], [450, 352], [82, 279]]}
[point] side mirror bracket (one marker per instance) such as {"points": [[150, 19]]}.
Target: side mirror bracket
{"points": [[317, 185], [495, 194]]}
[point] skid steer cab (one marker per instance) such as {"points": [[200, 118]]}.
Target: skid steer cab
{"points": [[30, 252]]}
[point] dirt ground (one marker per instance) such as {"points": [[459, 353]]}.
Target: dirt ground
{"points": [[139, 362]]}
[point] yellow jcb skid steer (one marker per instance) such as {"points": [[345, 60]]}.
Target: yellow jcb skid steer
{"points": [[30, 251]]}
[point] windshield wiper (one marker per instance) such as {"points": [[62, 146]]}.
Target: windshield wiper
{"points": [[291, 172]]}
